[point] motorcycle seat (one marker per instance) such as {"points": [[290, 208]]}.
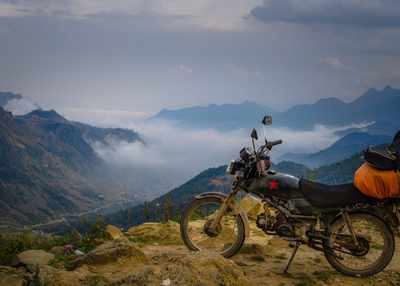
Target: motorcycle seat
{"points": [[329, 196]]}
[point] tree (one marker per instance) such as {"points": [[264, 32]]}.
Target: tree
{"points": [[167, 209], [146, 211]]}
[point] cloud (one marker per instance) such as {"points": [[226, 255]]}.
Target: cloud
{"points": [[368, 13], [184, 69], [173, 155], [209, 14], [20, 106], [334, 63], [104, 59]]}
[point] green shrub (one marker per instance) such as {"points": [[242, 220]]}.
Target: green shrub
{"points": [[13, 243]]}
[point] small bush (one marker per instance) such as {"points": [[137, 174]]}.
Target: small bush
{"points": [[13, 243]]}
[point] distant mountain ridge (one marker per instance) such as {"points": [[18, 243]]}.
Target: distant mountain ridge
{"points": [[343, 148], [372, 106], [90, 133], [224, 117], [377, 106]]}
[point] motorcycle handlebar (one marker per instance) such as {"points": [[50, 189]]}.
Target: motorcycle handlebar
{"points": [[270, 144]]}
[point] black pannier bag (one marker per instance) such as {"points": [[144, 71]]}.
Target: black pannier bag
{"points": [[396, 145], [385, 157]]}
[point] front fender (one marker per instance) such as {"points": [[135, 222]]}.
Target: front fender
{"points": [[237, 209]]}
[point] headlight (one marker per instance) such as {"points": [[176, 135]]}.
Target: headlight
{"points": [[234, 166], [245, 154]]}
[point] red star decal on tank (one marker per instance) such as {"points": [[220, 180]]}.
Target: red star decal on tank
{"points": [[273, 185]]}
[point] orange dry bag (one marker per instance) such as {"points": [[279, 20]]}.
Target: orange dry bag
{"points": [[377, 183]]}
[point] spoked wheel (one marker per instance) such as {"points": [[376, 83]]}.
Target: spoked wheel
{"points": [[196, 234], [372, 253]]}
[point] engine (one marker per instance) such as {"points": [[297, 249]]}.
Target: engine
{"points": [[275, 222]]}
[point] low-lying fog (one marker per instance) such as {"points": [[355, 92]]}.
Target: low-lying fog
{"points": [[172, 155]]}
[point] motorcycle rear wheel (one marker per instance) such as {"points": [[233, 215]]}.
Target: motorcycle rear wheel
{"points": [[232, 233], [374, 235]]}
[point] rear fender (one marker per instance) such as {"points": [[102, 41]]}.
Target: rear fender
{"points": [[237, 209]]}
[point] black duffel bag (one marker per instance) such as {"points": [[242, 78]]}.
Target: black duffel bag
{"points": [[385, 157]]}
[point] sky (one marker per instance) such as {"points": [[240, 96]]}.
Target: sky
{"points": [[135, 57]]}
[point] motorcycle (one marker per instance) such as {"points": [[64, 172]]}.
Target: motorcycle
{"points": [[355, 232]]}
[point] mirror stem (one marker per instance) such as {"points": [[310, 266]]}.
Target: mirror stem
{"points": [[254, 146]]}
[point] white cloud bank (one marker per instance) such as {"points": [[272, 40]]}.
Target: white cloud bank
{"points": [[173, 154], [20, 106], [178, 154]]}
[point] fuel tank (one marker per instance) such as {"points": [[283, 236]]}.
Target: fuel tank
{"points": [[276, 184]]}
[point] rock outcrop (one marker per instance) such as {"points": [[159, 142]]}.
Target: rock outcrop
{"points": [[34, 258], [109, 252], [165, 234], [113, 232]]}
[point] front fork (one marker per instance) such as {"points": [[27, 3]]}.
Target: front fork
{"points": [[226, 203]]}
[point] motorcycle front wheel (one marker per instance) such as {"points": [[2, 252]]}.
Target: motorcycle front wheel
{"points": [[195, 220], [372, 253]]}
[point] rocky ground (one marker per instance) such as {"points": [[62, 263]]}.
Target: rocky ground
{"points": [[152, 254]]}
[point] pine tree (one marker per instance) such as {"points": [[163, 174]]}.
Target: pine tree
{"points": [[168, 209], [146, 211]]}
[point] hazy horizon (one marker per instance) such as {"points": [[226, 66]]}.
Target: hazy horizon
{"points": [[142, 56]]}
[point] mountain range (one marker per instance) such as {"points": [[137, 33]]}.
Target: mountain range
{"points": [[223, 117], [379, 107], [343, 148]]}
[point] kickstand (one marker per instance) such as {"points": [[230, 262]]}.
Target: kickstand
{"points": [[296, 247]]}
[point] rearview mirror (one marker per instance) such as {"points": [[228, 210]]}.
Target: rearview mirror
{"points": [[267, 120], [254, 134]]}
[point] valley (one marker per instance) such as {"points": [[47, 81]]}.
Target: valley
{"points": [[69, 180]]}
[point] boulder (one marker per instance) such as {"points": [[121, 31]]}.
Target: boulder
{"points": [[110, 251], [113, 232], [57, 250], [13, 277], [34, 258]]}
